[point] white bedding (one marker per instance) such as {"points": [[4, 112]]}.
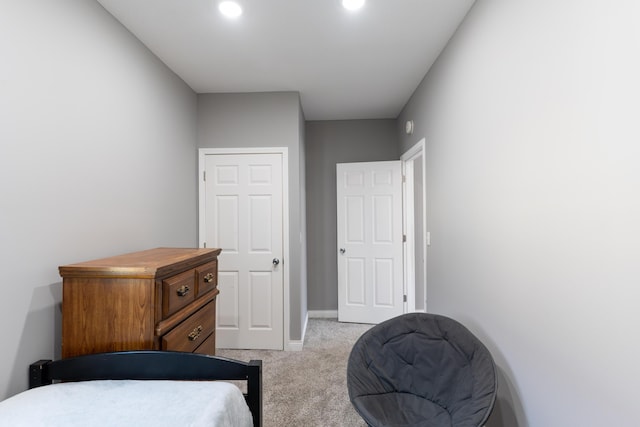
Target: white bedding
{"points": [[128, 403]]}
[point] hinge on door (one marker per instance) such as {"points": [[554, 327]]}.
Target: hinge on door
{"points": [[404, 298], [404, 238], [204, 245], [404, 178], [204, 175]]}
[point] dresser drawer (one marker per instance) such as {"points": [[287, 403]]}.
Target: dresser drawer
{"points": [[178, 291], [190, 334], [208, 346], [207, 276]]}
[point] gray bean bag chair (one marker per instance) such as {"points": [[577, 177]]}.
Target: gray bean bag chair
{"points": [[421, 370]]}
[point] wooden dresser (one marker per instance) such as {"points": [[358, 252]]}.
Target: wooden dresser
{"points": [[158, 299]]}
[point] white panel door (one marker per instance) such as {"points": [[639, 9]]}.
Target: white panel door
{"points": [[370, 285], [243, 197]]}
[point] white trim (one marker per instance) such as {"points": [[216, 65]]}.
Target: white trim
{"points": [[284, 151], [414, 151], [408, 229], [297, 345], [304, 328], [323, 314], [294, 345], [408, 156], [285, 237]]}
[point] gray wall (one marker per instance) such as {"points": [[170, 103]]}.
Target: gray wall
{"points": [[329, 143], [272, 119], [530, 119], [97, 157]]}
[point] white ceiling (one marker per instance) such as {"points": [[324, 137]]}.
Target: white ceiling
{"points": [[345, 65]]}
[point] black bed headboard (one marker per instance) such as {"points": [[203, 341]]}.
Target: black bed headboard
{"points": [[153, 365]]}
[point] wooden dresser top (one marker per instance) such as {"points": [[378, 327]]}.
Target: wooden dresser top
{"points": [[151, 263]]}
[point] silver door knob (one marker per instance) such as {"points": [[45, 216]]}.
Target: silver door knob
{"points": [[342, 251], [275, 262]]}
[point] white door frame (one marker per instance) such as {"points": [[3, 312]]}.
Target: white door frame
{"points": [[408, 230], [407, 159], [284, 151]]}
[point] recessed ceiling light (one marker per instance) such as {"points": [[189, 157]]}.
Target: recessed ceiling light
{"points": [[230, 9], [353, 4]]}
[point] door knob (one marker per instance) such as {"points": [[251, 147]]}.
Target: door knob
{"points": [[342, 251], [275, 262]]}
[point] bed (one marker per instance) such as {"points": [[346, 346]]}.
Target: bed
{"points": [[141, 388]]}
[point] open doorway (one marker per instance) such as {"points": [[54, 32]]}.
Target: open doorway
{"points": [[415, 227]]}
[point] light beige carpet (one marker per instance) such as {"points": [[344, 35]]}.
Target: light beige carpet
{"points": [[309, 387]]}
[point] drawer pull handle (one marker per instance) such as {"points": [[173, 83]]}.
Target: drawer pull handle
{"points": [[183, 290], [208, 278], [195, 333]]}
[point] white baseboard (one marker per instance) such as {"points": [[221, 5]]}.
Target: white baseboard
{"points": [[296, 345], [323, 314]]}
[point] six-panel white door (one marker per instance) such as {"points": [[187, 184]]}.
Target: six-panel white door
{"points": [[369, 198], [243, 194]]}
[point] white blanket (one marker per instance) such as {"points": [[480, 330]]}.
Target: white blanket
{"points": [[128, 403]]}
